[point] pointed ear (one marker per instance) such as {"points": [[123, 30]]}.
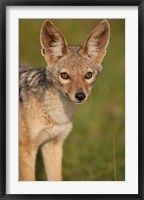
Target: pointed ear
{"points": [[52, 41], [97, 42]]}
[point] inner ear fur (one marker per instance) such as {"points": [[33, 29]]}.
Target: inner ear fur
{"points": [[52, 41], [97, 41]]}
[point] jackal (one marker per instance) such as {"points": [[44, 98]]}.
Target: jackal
{"points": [[48, 97]]}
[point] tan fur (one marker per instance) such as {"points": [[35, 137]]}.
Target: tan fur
{"points": [[48, 100]]}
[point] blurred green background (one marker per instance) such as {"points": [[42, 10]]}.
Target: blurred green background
{"points": [[95, 149]]}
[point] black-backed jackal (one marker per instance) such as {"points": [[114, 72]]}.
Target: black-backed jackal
{"points": [[48, 97]]}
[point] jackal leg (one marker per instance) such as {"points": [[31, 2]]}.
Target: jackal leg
{"points": [[52, 152], [27, 158]]}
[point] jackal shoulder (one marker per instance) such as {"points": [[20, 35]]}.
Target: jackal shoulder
{"points": [[32, 82]]}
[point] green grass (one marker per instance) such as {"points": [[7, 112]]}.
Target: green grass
{"points": [[95, 149]]}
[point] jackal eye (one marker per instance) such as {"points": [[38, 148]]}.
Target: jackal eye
{"points": [[88, 75], [64, 75]]}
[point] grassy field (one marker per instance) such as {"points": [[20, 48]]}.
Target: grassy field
{"points": [[95, 149]]}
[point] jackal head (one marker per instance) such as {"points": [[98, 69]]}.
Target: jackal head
{"points": [[74, 68]]}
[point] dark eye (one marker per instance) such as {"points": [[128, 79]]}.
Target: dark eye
{"points": [[64, 75], [88, 75]]}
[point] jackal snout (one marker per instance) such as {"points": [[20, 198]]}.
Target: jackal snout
{"points": [[80, 96]]}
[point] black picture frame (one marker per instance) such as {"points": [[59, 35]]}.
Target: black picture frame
{"points": [[3, 128]]}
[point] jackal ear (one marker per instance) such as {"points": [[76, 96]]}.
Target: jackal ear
{"points": [[52, 41], [97, 42]]}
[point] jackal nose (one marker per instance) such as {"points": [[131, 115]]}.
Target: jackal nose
{"points": [[80, 96]]}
